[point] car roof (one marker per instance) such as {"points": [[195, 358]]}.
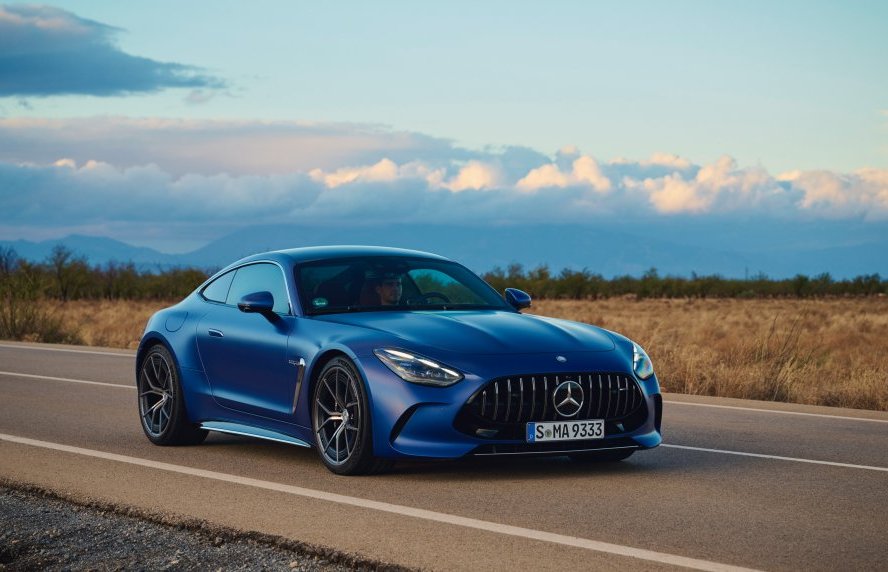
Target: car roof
{"points": [[315, 253]]}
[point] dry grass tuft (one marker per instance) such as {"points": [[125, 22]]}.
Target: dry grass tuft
{"points": [[822, 352]]}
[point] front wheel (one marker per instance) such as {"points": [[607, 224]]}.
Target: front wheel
{"points": [[161, 402], [341, 421]]}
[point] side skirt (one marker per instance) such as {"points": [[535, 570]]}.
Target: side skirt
{"points": [[247, 431]]}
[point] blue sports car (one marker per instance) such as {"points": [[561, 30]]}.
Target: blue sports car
{"points": [[375, 354]]}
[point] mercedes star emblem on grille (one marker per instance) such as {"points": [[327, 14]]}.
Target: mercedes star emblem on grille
{"points": [[568, 398]]}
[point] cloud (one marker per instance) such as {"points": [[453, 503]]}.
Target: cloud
{"points": [[208, 147], [842, 195], [584, 172], [475, 176], [49, 51], [94, 192], [181, 175], [720, 186], [70, 194], [385, 170]]}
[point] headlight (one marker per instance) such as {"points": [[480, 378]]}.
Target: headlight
{"points": [[416, 368], [641, 363]]}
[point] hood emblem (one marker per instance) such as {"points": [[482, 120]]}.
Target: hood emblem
{"points": [[568, 398], [560, 359]]}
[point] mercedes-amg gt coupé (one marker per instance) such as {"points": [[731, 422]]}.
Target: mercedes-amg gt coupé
{"points": [[372, 354]]}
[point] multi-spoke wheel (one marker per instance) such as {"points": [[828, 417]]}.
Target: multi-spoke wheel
{"points": [[161, 405], [341, 421]]}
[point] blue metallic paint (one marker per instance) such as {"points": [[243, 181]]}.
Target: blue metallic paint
{"points": [[248, 377]]}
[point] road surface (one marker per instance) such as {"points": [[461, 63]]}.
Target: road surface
{"points": [[736, 484]]}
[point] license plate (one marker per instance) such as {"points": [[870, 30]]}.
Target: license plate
{"points": [[565, 430]]}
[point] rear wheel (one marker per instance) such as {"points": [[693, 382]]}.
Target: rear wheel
{"points": [[341, 421], [602, 456], [161, 402]]}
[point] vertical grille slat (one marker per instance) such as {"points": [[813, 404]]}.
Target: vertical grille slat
{"points": [[520, 398], [533, 398], [617, 407], [610, 395], [599, 400], [508, 398], [545, 397], [495, 399], [627, 395]]}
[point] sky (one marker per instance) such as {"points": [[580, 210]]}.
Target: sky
{"points": [[167, 124]]}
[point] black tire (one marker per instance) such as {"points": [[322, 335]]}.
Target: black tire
{"points": [[610, 456], [344, 444], [161, 402]]}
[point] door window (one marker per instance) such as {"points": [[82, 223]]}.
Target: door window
{"points": [[217, 290], [258, 278]]}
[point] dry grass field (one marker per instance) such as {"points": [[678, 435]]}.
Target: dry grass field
{"points": [[825, 352]]}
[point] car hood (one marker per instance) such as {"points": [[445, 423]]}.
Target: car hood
{"points": [[481, 332]]}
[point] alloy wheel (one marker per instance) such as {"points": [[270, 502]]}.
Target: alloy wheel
{"points": [[337, 415], [156, 394]]}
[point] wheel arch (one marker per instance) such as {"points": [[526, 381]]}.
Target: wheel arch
{"points": [[322, 359], [190, 396], [317, 366], [150, 340]]}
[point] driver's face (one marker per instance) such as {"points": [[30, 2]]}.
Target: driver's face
{"points": [[389, 291]]}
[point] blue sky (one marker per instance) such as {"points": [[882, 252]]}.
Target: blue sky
{"points": [[306, 109]]}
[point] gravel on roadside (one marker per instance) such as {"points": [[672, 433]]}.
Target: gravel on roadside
{"points": [[40, 530]]}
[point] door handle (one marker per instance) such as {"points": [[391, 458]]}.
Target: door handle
{"points": [[215, 333]]}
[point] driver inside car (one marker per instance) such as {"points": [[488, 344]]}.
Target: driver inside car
{"points": [[389, 289]]}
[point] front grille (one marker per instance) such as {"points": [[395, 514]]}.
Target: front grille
{"points": [[501, 407]]}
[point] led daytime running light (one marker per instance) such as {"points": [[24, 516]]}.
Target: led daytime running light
{"points": [[641, 363], [416, 368]]}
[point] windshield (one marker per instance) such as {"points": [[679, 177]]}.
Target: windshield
{"points": [[380, 283]]}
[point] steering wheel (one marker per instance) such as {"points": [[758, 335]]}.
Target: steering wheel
{"points": [[424, 298]]}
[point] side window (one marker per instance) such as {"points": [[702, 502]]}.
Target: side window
{"points": [[256, 278], [217, 290]]}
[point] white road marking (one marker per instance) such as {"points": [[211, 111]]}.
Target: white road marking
{"points": [[43, 349], [722, 451], [756, 410], [69, 380], [517, 531], [777, 457], [759, 410]]}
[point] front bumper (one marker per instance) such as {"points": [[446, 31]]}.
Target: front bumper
{"points": [[416, 421]]}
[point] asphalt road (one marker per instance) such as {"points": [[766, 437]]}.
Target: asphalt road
{"points": [[737, 483]]}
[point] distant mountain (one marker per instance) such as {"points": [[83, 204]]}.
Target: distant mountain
{"points": [[673, 246], [96, 249], [607, 251]]}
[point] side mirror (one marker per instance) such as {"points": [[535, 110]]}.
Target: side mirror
{"points": [[257, 303], [517, 298]]}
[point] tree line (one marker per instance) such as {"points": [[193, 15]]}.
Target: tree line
{"points": [[583, 284], [64, 276]]}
